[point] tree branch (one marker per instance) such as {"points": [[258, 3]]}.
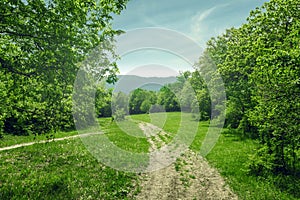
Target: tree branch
{"points": [[12, 70], [19, 34]]}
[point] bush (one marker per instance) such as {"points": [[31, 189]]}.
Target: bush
{"points": [[119, 114], [260, 163]]}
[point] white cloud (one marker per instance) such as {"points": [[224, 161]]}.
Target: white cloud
{"points": [[200, 29]]}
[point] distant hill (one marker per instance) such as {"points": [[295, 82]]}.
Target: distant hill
{"points": [[127, 83]]}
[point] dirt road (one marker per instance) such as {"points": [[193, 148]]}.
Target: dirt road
{"points": [[45, 141], [190, 177]]}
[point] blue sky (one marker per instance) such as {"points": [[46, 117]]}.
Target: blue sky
{"points": [[199, 20]]}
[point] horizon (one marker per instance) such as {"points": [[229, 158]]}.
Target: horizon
{"points": [[194, 19]]}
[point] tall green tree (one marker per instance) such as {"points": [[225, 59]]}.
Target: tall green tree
{"points": [[168, 99], [41, 44], [140, 101], [259, 63], [275, 33], [202, 101], [230, 54]]}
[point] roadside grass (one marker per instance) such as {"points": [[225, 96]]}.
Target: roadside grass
{"points": [[125, 134], [60, 170], [66, 170], [230, 156]]}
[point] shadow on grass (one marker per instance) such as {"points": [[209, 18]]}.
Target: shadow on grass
{"points": [[288, 183], [238, 135]]}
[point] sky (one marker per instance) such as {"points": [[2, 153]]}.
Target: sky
{"points": [[166, 23]]}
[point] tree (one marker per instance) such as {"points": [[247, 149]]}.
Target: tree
{"points": [[275, 42], [41, 45], [168, 99], [120, 100], [259, 63], [141, 100], [103, 100], [145, 106], [230, 54], [202, 101], [135, 101]]}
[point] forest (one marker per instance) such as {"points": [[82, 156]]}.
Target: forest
{"points": [[43, 45]]}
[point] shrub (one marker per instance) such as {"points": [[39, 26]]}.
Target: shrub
{"points": [[119, 114]]}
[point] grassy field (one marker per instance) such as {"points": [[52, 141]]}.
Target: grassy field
{"points": [[67, 170], [9, 140], [125, 134], [60, 170], [229, 156]]}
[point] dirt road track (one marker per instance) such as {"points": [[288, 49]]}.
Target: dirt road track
{"points": [[190, 177], [45, 141]]}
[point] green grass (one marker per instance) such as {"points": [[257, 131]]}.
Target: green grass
{"points": [[67, 170], [170, 122], [60, 170], [125, 135], [230, 156]]}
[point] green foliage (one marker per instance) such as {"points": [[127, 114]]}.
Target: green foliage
{"points": [[259, 63], [119, 114], [168, 99], [41, 46], [231, 56], [120, 101], [145, 107], [140, 101], [276, 80], [103, 102], [261, 162], [201, 106], [156, 108]]}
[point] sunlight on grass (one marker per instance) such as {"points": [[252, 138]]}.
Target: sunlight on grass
{"points": [[9, 140], [230, 156], [66, 169], [121, 138], [60, 170]]}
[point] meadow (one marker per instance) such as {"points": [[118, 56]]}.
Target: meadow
{"points": [[67, 170]]}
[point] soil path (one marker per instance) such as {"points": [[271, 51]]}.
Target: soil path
{"points": [[45, 141], [189, 177]]}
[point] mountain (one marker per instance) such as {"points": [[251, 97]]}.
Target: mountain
{"points": [[127, 83]]}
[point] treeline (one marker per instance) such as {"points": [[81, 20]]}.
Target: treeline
{"points": [[177, 96], [260, 66], [42, 44]]}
